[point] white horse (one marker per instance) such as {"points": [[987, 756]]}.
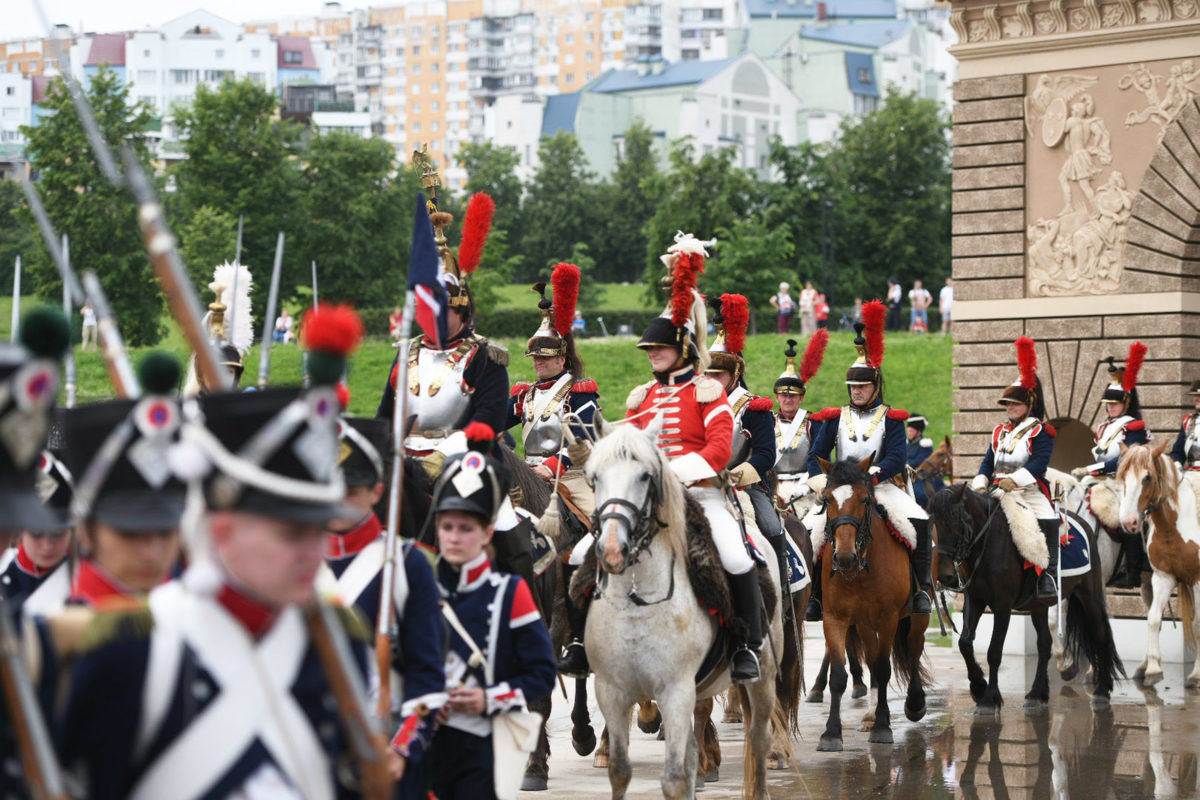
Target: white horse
{"points": [[1158, 503], [646, 635]]}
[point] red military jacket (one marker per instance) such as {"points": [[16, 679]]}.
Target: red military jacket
{"points": [[697, 421]]}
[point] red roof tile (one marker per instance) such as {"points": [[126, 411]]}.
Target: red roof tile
{"points": [[299, 44], [107, 48]]}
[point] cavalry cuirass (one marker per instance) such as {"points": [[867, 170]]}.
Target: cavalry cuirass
{"points": [[739, 399], [1109, 438], [1012, 451], [1191, 442], [542, 418], [437, 395], [861, 433], [792, 445]]}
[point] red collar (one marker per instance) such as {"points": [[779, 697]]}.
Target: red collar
{"points": [[93, 585], [340, 545], [546, 384], [255, 617], [27, 566]]}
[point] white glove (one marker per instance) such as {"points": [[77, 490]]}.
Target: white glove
{"points": [[873, 470], [744, 474], [979, 483], [1079, 472], [578, 451], [817, 483]]}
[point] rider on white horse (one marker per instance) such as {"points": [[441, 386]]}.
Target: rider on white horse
{"points": [[866, 427], [1019, 453], [793, 425], [1122, 427]]}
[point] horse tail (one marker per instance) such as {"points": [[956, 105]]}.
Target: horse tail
{"points": [[905, 662], [1092, 639], [789, 684]]}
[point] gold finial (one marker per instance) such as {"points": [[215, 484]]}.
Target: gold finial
{"points": [[430, 179], [216, 320]]}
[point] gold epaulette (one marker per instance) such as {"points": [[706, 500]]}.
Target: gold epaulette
{"points": [[708, 390], [107, 627]]}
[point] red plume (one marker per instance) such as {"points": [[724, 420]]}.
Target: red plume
{"points": [[332, 328], [735, 308], [814, 354], [874, 315], [688, 267], [476, 227], [1133, 365], [478, 433], [1027, 362], [565, 281]]}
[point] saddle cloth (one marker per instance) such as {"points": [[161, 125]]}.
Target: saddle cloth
{"points": [[1075, 556], [1023, 525]]}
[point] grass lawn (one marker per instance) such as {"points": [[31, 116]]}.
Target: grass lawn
{"points": [[616, 297]]}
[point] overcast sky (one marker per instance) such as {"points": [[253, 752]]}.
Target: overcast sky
{"points": [[19, 20]]}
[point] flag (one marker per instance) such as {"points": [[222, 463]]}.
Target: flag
{"points": [[423, 262]]}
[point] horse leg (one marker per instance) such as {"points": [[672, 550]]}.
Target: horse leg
{"points": [[537, 768], [972, 612], [677, 706], [777, 757], [881, 674], [1067, 668], [708, 762], [761, 701], [856, 675], [991, 701], [583, 736], [733, 708], [818, 690], [1162, 584], [601, 759], [617, 711], [914, 703], [835, 643], [1193, 678], [1039, 693]]}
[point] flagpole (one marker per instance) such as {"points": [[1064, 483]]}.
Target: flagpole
{"points": [[16, 303], [69, 356]]}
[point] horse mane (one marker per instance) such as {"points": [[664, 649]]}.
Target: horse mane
{"points": [[846, 473], [625, 442], [535, 494]]}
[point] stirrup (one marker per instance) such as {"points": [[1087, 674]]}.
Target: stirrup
{"points": [[744, 672], [814, 612], [921, 604], [574, 663], [1042, 580]]}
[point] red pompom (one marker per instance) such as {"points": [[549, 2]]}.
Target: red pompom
{"points": [[735, 308], [565, 282], [897, 413], [814, 354], [826, 414], [761, 404], [343, 395], [518, 389], [874, 316], [688, 267], [1027, 362], [1133, 365], [332, 329], [476, 227], [1136, 425], [479, 432]]}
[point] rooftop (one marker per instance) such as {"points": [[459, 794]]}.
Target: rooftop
{"points": [[859, 34], [107, 48], [841, 9], [681, 73], [559, 114], [296, 44]]}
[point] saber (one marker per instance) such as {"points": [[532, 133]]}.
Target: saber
{"points": [[314, 272], [16, 303], [264, 359], [237, 254], [69, 355], [237, 271]]}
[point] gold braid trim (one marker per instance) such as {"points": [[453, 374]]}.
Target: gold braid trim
{"points": [[848, 421]]}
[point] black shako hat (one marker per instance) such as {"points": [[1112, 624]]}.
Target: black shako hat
{"points": [[363, 447]]}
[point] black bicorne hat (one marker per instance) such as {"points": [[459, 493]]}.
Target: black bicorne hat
{"points": [[474, 481], [917, 421], [363, 448]]}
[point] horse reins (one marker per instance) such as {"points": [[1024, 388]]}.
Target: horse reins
{"points": [[642, 532], [862, 536], [972, 539]]}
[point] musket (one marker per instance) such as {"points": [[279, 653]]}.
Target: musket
{"points": [[16, 303], [264, 358], [314, 271], [69, 355], [40, 767], [237, 271]]}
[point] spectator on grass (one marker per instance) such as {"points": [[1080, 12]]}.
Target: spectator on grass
{"points": [[394, 324], [920, 299], [784, 306], [945, 301], [579, 324], [283, 328], [894, 298], [808, 309], [821, 311], [89, 325]]}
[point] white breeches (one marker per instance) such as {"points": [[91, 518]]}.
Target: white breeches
{"points": [[1041, 507], [726, 532]]}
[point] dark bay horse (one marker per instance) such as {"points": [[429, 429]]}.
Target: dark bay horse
{"points": [[867, 581], [979, 559]]}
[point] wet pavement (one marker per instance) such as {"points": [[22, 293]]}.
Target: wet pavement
{"points": [[1146, 745]]}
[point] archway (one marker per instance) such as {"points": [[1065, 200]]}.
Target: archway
{"points": [[1072, 446]]}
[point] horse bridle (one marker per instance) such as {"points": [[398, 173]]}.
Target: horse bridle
{"points": [[862, 537], [970, 539], [646, 522]]}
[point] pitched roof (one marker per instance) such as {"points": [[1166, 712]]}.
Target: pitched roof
{"points": [[807, 9], [299, 44], [681, 73], [107, 48], [559, 114], [860, 34], [860, 73], [41, 87]]}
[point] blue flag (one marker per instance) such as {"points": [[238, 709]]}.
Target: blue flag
{"points": [[423, 265]]}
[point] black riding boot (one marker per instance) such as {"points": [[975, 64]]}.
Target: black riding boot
{"points": [[922, 561], [513, 552], [1130, 574], [814, 612], [1046, 586], [747, 605], [574, 663]]}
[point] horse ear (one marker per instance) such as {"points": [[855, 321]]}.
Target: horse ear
{"points": [[602, 427], [1124, 447], [825, 465], [949, 447], [866, 463], [1158, 451]]}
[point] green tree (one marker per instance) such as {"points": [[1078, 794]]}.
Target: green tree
{"points": [[239, 160], [209, 238], [493, 169], [558, 206], [796, 199], [16, 237], [590, 290], [749, 247], [99, 220], [496, 268], [627, 204]]}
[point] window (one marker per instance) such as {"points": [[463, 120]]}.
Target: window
{"points": [[435, 126], [591, 37], [258, 77], [436, 144], [255, 53], [145, 54], [416, 88], [714, 14], [416, 127], [435, 67], [220, 53], [416, 69], [146, 100], [217, 75], [414, 32], [416, 49], [10, 90], [589, 57], [570, 77], [864, 75], [292, 57], [570, 58], [435, 106], [435, 48], [183, 76], [416, 108], [569, 38], [435, 87]]}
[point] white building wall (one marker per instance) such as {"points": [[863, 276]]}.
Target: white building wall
{"points": [[16, 108]]}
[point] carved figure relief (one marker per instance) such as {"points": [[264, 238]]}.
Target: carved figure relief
{"points": [[1180, 86], [1185, 9]]}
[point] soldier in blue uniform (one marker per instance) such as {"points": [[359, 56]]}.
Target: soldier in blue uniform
{"points": [[868, 427], [35, 573], [214, 686], [1019, 454], [1186, 450], [793, 425], [920, 447], [499, 657], [127, 499], [354, 551]]}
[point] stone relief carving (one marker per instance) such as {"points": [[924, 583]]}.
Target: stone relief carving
{"points": [[1185, 9], [1047, 17], [1182, 84], [1079, 250]]}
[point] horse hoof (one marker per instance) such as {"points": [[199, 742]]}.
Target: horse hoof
{"points": [[828, 744], [712, 776], [1100, 702], [650, 726], [1152, 678], [815, 697], [880, 737], [859, 692], [777, 763], [1035, 704], [661, 737], [914, 715], [600, 761], [1139, 673], [732, 718], [987, 711], [534, 783], [585, 744], [1069, 673]]}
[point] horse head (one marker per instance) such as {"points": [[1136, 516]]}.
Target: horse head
{"points": [[961, 517], [939, 464], [1146, 480], [634, 495], [849, 500]]}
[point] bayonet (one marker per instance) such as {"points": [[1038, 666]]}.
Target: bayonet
{"points": [[264, 359]]}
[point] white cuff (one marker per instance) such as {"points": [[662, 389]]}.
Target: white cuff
{"points": [[691, 467], [502, 698], [1023, 478], [453, 444], [979, 482], [1097, 467]]}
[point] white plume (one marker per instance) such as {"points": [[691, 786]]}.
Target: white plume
{"points": [[237, 308]]}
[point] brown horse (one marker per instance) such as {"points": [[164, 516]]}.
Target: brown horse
{"points": [[938, 467], [866, 583]]}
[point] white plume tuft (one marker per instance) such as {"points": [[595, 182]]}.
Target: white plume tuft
{"points": [[237, 308]]}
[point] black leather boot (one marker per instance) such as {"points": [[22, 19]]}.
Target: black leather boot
{"points": [[814, 612], [747, 605], [922, 561], [1046, 587], [1129, 576], [574, 663]]}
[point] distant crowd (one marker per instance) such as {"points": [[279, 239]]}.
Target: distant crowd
{"points": [[813, 309]]}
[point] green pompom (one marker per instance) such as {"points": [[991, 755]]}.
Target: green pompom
{"points": [[325, 368], [159, 373], [45, 333]]}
